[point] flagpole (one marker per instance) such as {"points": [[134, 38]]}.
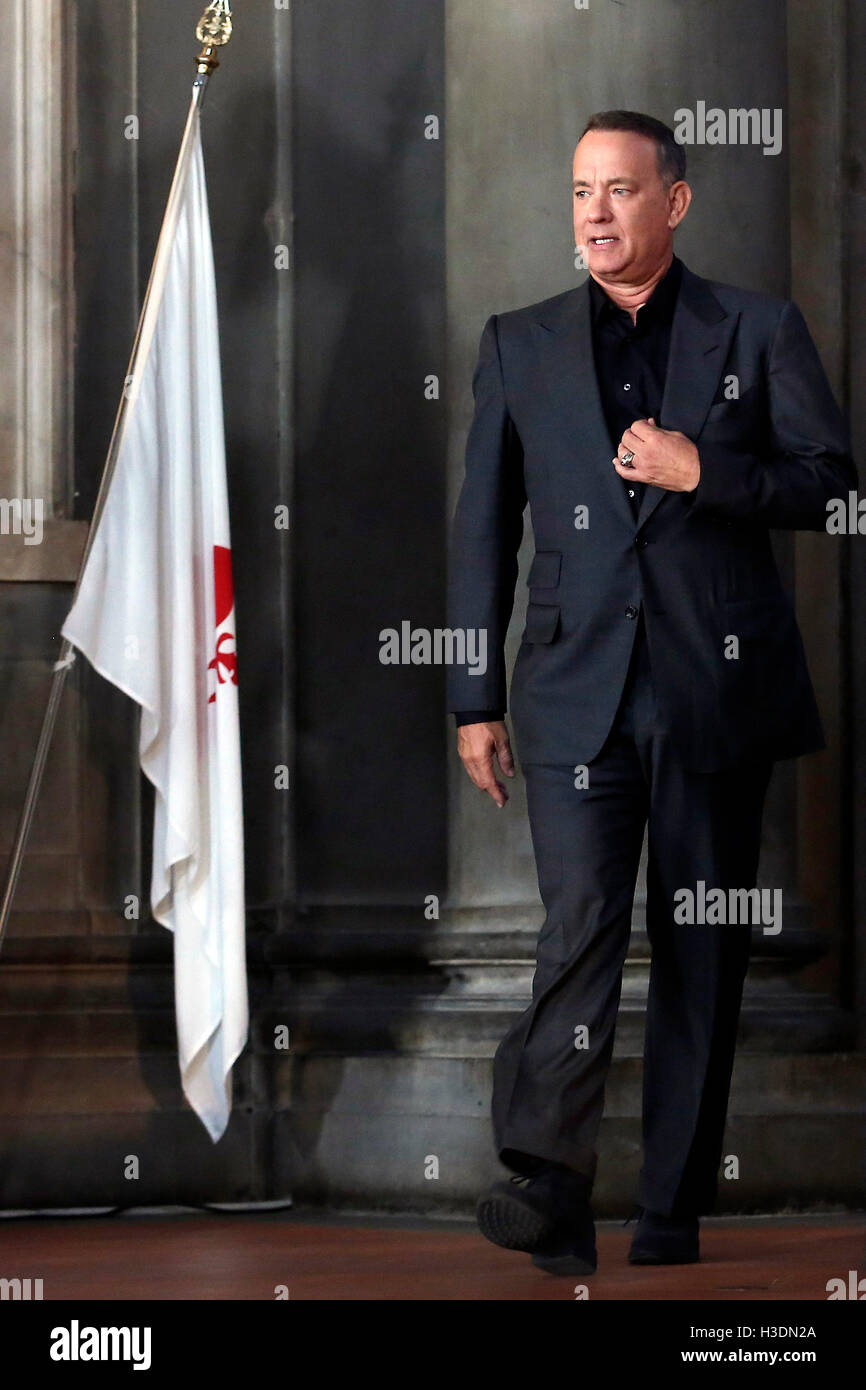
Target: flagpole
{"points": [[213, 31]]}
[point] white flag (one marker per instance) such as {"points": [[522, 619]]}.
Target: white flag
{"points": [[154, 614]]}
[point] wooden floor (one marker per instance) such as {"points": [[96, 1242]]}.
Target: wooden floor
{"points": [[207, 1256]]}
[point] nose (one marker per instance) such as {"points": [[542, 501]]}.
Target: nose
{"points": [[597, 208]]}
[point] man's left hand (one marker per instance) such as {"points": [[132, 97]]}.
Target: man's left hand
{"points": [[664, 458]]}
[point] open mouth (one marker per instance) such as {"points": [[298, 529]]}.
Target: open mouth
{"points": [[603, 241]]}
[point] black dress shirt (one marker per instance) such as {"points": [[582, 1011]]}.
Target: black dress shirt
{"points": [[631, 359], [630, 365]]}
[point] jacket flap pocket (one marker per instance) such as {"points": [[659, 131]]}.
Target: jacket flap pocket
{"points": [[542, 621], [544, 570]]}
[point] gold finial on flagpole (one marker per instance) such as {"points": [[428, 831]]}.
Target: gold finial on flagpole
{"points": [[213, 30]]}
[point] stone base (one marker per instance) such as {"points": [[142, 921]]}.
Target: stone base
{"points": [[382, 1100], [388, 1133]]}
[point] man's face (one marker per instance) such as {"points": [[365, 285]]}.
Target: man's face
{"points": [[624, 215]]}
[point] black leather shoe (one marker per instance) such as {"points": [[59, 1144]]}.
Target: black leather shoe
{"points": [[665, 1240], [536, 1213], [573, 1252]]}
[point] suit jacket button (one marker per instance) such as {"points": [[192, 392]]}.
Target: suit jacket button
{"points": [[631, 611]]}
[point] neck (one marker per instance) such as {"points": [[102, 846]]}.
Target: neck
{"points": [[632, 296]]}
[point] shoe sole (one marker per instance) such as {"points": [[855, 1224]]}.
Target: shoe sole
{"points": [[565, 1264], [513, 1224]]}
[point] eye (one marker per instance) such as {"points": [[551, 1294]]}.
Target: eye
{"points": [[622, 190], [580, 193]]}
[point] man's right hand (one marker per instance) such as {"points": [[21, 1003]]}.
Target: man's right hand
{"points": [[476, 744]]}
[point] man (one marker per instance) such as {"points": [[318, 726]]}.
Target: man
{"points": [[659, 425]]}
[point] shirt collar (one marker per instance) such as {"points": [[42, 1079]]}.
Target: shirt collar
{"points": [[660, 304]]}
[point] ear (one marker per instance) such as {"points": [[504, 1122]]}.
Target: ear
{"points": [[679, 198]]}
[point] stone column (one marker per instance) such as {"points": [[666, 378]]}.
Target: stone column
{"points": [[853, 744]]}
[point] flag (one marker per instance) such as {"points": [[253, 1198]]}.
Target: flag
{"points": [[154, 614]]}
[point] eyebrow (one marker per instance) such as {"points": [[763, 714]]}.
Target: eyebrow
{"points": [[621, 178]]}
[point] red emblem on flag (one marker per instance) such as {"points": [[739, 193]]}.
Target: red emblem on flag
{"points": [[225, 662]]}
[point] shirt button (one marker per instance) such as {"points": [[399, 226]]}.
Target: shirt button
{"points": [[631, 492], [627, 386], [640, 543], [631, 611]]}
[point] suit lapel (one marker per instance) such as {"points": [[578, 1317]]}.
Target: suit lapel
{"points": [[564, 338], [701, 333]]}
